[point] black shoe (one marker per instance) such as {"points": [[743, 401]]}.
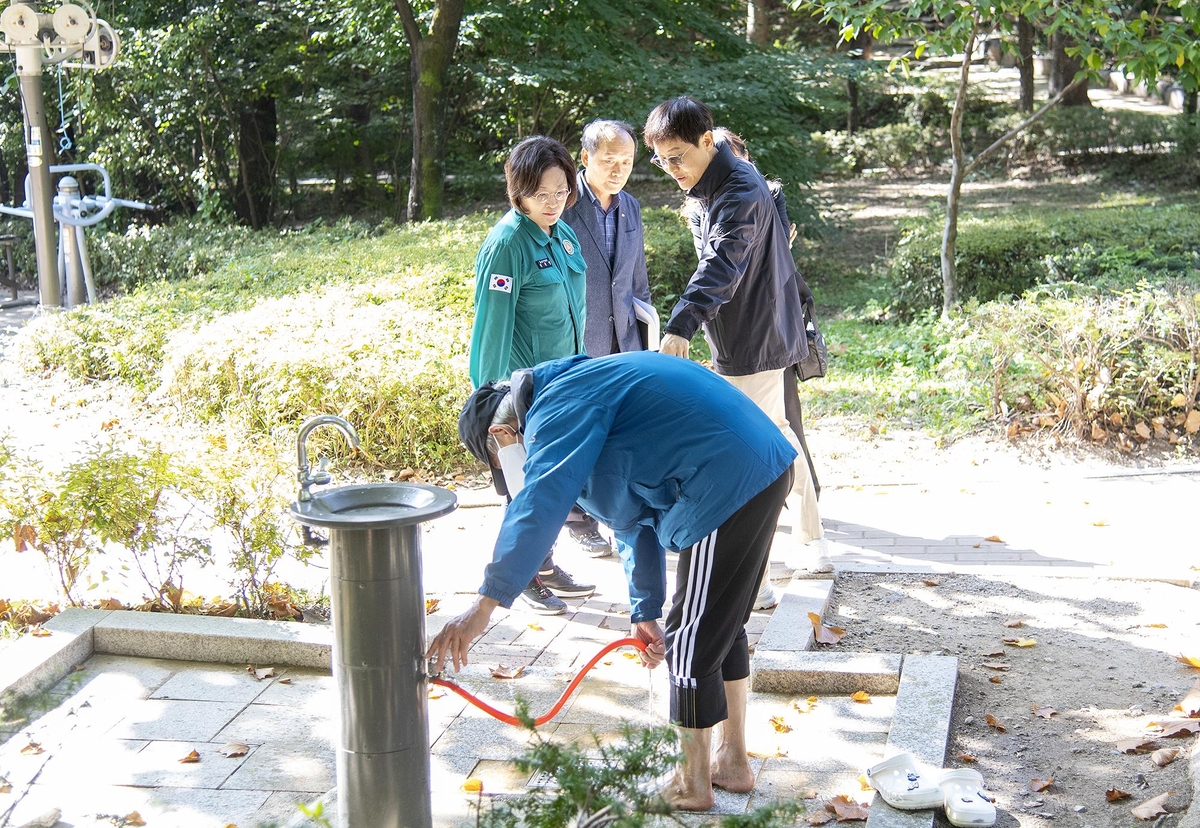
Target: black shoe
{"points": [[536, 598], [594, 544], [563, 585]]}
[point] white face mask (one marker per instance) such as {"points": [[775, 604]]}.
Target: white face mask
{"points": [[512, 463]]}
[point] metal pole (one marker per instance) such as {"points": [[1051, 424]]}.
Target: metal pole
{"points": [[68, 189], [37, 132], [378, 617]]}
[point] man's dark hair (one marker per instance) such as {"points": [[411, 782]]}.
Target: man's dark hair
{"points": [[529, 161], [682, 118]]}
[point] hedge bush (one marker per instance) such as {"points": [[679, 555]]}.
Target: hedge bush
{"points": [[1108, 247]]}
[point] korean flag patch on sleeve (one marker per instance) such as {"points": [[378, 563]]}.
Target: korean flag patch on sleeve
{"points": [[500, 282]]}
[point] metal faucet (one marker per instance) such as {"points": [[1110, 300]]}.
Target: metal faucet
{"points": [[320, 476]]}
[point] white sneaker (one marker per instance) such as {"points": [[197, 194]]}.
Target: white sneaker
{"points": [[766, 597], [780, 571], [817, 556]]}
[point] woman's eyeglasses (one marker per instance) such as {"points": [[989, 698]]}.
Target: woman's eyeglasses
{"points": [[550, 198]]}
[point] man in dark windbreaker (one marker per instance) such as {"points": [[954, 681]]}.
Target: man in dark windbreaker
{"points": [[743, 292]]}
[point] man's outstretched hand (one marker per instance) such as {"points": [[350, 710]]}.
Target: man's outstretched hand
{"points": [[656, 645], [455, 638]]}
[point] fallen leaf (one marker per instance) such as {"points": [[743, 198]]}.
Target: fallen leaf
{"points": [[535, 627], [260, 673], [1138, 745], [931, 582], [806, 706], [233, 750], [1165, 756], [1113, 795], [1040, 785], [1194, 661], [32, 749], [1020, 642], [1192, 423], [861, 696], [1177, 727], [995, 723], [436, 692], [823, 634], [502, 672], [1156, 626], [820, 818], [431, 605], [5, 786], [993, 539], [38, 631], [845, 808], [1015, 622], [996, 665], [111, 604], [1152, 807], [284, 681], [780, 725], [133, 818], [1043, 712], [995, 680], [1190, 706], [966, 757], [995, 653], [191, 759], [473, 784], [629, 655], [864, 785]]}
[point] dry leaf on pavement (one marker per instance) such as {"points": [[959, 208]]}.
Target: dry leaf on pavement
{"points": [[473, 784], [995, 680], [233, 750], [845, 808], [820, 818], [1018, 642], [995, 665], [997, 653], [260, 673], [993, 539], [502, 672], [1043, 712], [1114, 795], [133, 818], [806, 706], [1177, 727], [1015, 622], [823, 634], [1165, 756], [995, 723], [1137, 745], [931, 582], [1190, 706], [1193, 660], [780, 725], [1040, 785], [32, 749], [966, 757], [861, 696], [1152, 807], [431, 605], [191, 759]]}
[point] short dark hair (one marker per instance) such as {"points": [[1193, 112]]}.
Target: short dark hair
{"points": [[683, 118], [529, 161]]}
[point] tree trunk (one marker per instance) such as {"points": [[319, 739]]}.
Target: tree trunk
{"points": [[758, 23], [1025, 62], [429, 62], [258, 132], [860, 46], [957, 174], [5, 183], [854, 116], [1062, 73]]}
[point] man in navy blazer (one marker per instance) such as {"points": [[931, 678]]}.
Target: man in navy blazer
{"points": [[608, 222]]}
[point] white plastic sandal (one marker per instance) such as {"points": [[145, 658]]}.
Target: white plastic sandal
{"points": [[903, 784], [966, 803]]}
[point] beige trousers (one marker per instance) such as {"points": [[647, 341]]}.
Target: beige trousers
{"points": [[766, 389]]}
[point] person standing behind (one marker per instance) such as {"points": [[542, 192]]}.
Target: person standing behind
{"points": [[743, 291], [530, 298], [608, 222]]}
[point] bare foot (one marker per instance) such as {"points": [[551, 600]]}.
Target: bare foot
{"points": [[684, 797], [732, 772]]}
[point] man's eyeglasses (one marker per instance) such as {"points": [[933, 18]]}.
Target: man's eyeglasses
{"points": [[550, 198], [670, 160]]}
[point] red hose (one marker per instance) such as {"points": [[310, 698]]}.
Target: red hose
{"points": [[558, 705]]}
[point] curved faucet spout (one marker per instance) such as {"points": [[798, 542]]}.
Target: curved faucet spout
{"points": [[303, 475]]}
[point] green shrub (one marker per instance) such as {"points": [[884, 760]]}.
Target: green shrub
{"points": [[1085, 130], [1124, 366], [670, 256], [1008, 254]]}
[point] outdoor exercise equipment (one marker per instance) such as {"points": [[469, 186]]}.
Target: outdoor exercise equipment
{"points": [[70, 36]]}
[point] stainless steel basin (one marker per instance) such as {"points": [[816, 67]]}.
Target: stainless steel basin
{"points": [[373, 506]]}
